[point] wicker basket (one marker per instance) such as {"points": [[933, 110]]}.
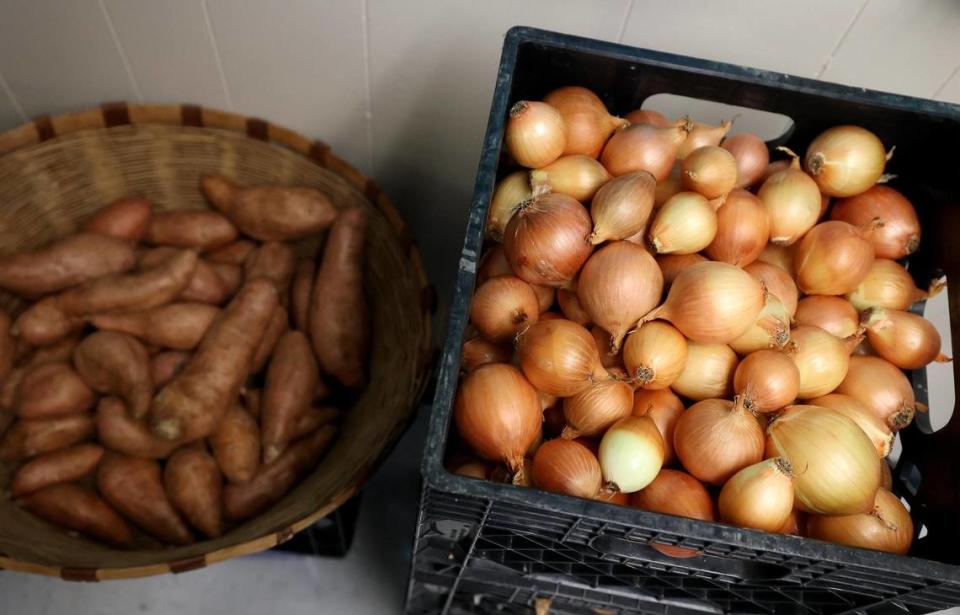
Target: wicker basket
{"points": [[55, 171]]}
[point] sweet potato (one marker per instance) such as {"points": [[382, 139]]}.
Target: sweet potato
{"points": [[192, 404], [180, 326], [274, 261], [274, 480], [8, 392], [270, 213], [118, 431], [339, 318], [315, 418], [236, 445], [165, 365], [64, 263], [79, 509], [7, 418], [199, 229], [300, 290], [134, 486], [52, 389], [60, 351], [8, 345], [204, 285], [115, 363], [31, 437], [278, 325], [321, 391], [291, 379], [192, 480], [54, 317], [230, 275], [252, 401], [125, 218], [235, 253], [66, 465]]}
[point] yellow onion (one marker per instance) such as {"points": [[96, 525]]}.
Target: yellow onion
{"points": [[575, 175], [824, 206], [473, 469], [571, 308], [743, 229], [888, 220], [905, 339], [832, 259], [751, 154], [593, 410], [715, 439], [618, 285], [502, 306], [478, 351], [845, 160], [822, 359], [759, 496], [882, 388], [654, 355], [498, 413], [835, 462], [546, 240], [547, 400], [674, 492], [621, 208], [770, 330], [835, 315], [708, 371], [586, 118], [875, 429], [535, 134], [507, 196], [793, 203], [709, 170], [778, 283], [685, 224], [774, 167], [667, 187], [886, 475], [887, 285], [766, 381], [712, 302], [672, 264], [567, 467], [702, 135], [665, 408], [886, 527], [649, 116], [559, 357], [643, 147], [779, 256], [494, 264], [607, 358], [631, 454], [795, 524]]}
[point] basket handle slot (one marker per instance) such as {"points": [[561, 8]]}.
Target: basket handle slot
{"points": [[774, 128], [744, 570]]}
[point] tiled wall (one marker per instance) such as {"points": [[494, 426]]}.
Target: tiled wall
{"points": [[401, 87]]}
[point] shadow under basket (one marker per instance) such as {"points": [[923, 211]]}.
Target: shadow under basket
{"points": [[55, 172]]}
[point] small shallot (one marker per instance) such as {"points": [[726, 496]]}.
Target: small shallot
{"points": [[751, 154], [621, 208], [715, 439], [759, 496], [833, 258], [685, 224], [643, 147], [655, 355], [905, 339], [576, 175], [766, 381], [845, 160], [568, 467], [889, 220], [822, 358], [559, 357], [793, 201], [708, 371], [743, 228], [709, 170], [535, 134], [545, 242], [587, 120]]}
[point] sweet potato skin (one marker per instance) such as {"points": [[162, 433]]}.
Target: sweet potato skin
{"points": [[236, 445], [29, 438], [118, 431], [80, 509], [199, 229], [300, 291], [204, 286], [125, 218], [8, 345], [339, 318], [315, 418], [193, 484], [65, 465], [279, 322], [179, 326], [165, 365], [235, 253], [134, 486], [50, 390], [292, 377], [231, 276], [191, 405], [115, 363]]}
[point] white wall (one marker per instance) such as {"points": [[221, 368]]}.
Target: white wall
{"points": [[401, 88]]}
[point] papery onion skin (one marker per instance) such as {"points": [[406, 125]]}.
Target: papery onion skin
{"points": [[473, 469], [603, 340], [654, 355], [631, 454], [545, 242], [643, 147], [492, 264], [778, 283], [822, 358], [743, 228], [759, 496], [497, 412], [835, 462], [567, 467], [889, 220], [667, 187], [649, 116], [575, 175], [478, 351], [672, 264], [559, 357], [674, 492], [618, 285], [587, 121], [702, 135], [709, 170], [714, 440], [774, 166], [571, 308], [795, 525], [665, 408], [621, 208], [907, 340], [502, 307], [707, 372], [883, 388], [507, 196], [875, 429], [888, 527], [793, 203], [832, 259], [535, 134], [751, 154], [835, 315], [593, 410], [888, 285], [886, 475], [778, 256], [685, 224], [845, 160], [766, 381], [770, 330]]}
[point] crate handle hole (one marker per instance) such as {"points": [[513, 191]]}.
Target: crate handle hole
{"points": [[935, 383], [771, 127]]}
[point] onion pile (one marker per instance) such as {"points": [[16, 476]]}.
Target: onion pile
{"points": [[633, 270]]}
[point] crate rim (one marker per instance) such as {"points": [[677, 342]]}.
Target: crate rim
{"points": [[437, 477]]}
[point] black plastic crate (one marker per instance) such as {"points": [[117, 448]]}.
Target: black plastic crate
{"points": [[488, 547]]}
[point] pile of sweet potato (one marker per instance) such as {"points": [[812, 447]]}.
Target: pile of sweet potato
{"points": [[174, 370]]}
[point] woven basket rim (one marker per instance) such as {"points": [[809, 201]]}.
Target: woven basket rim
{"points": [[109, 115]]}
